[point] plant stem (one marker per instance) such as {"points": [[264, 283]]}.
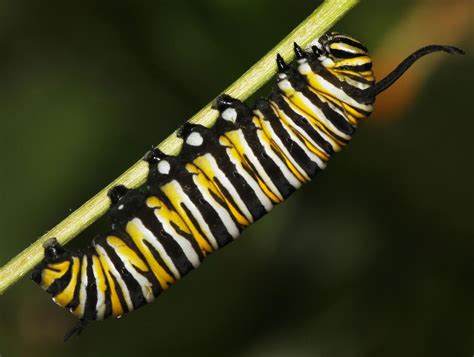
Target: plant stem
{"points": [[324, 17]]}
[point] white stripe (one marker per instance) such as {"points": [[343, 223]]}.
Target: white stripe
{"points": [[123, 286], [195, 213], [282, 147], [185, 244], [340, 94], [100, 306], [222, 212], [300, 130], [262, 197], [256, 163], [336, 108], [82, 292], [312, 156], [155, 243], [318, 114], [145, 284], [335, 146], [289, 176], [221, 176], [356, 83]]}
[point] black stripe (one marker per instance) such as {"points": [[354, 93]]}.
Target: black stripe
{"points": [[90, 311], [303, 123], [75, 299], [107, 292], [212, 147], [172, 248], [228, 196], [60, 284], [149, 275], [301, 85], [349, 42], [293, 148], [159, 260], [244, 124], [217, 227], [244, 190], [184, 178], [120, 295], [343, 54], [250, 133], [339, 121], [108, 301], [359, 79], [190, 238], [134, 288], [353, 92], [356, 68], [195, 224]]}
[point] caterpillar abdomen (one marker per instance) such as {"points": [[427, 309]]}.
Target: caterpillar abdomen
{"points": [[225, 178]]}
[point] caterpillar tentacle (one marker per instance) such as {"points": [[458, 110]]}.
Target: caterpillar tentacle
{"points": [[225, 178]]}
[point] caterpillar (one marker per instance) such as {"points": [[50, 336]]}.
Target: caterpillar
{"points": [[224, 178]]}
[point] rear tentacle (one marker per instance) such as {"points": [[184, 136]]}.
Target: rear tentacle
{"points": [[407, 63], [76, 330]]}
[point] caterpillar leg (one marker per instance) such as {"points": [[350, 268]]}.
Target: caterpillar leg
{"points": [[154, 155], [116, 193]]}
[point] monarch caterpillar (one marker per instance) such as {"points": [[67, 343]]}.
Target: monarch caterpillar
{"points": [[224, 178]]}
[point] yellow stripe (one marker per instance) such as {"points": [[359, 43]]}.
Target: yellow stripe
{"points": [[168, 215], [351, 114], [163, 277], [117, 309], [66, 296], [126, 253], [357, 61], [99, 276], [297, 105], [234, 138], [276, 147], [212, 187], [238, 157], [175, 198], [53, 272], [346, 48], [322, 155], [80, 308], [203, 164]]}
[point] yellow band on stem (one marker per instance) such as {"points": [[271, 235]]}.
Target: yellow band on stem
{"points": [[323, 18]]}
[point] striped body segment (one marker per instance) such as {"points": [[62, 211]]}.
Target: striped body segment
{"points": [[224, 179]]}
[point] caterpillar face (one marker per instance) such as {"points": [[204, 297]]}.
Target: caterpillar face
{"points": [[54, 266], [224, 178]]}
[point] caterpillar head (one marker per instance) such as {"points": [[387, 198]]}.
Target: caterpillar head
{"points": [[345, 58], [340, 69], [54, 266]]}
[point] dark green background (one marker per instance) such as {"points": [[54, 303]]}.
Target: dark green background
{"points": [[374, 258]]}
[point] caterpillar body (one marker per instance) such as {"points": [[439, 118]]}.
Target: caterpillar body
{"points": [[225, 178]]}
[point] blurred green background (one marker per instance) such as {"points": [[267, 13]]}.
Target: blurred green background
{"points": [[374, 258]]}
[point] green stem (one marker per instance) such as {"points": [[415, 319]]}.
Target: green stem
{"points": [[323, 18]]}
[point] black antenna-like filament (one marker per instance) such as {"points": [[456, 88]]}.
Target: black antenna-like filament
{"points": [[408, 62]]}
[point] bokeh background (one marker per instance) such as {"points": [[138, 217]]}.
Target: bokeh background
{"points": [[374, 258]]}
